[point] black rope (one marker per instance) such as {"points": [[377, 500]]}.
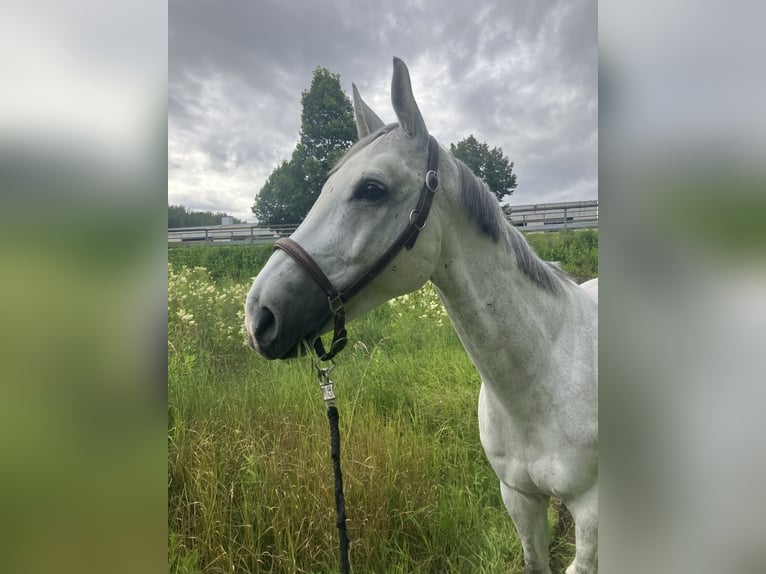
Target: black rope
{"points": [[340, 502]]}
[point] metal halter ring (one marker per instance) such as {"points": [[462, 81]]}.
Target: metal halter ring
{"points": [[324, 372], [432, 181], [412, 214], [336, 304]]}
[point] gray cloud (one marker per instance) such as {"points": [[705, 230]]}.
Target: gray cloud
{"points": [[521, 76]]}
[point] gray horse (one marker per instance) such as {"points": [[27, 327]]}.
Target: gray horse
{"points": [[530, 331]]}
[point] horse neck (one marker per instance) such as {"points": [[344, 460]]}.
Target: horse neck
{"points": [[505, 321]]}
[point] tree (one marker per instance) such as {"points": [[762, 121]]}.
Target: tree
{"points": [[273, 202], [180, 216], [327, 131], [490, 165]]}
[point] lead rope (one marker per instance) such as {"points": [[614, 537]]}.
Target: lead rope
{"points": [[337, 300], [326, 385]]}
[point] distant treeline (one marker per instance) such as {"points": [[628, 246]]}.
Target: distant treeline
{"points": [[180, 216]]}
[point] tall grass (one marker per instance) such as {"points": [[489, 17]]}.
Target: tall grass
{"points": [[249, 473], [575, 250]]}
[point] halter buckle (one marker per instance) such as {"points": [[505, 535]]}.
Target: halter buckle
{"points": [[432, 181]]}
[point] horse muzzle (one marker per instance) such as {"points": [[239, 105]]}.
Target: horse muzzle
{"points": [[265, 335], [278, 322]]}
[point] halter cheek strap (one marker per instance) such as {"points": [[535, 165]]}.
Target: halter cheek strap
{"points": [[406, 239]]}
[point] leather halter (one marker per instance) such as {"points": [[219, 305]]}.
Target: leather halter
{"points": [[337, 299]]}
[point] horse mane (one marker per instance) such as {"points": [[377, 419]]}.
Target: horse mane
{"points": [[481, 205]]}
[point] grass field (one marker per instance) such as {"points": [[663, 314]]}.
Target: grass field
{"points": [[249, 472]]}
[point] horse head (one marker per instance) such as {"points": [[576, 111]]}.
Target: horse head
{"points": [[368, 199]]}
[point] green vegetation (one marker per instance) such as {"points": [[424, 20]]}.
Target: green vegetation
{"points": [[236, 262], [489, 165], [180, 216], [249, 472], [576, 251]]}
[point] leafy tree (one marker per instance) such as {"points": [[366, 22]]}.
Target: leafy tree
{"points": [[490, 165], [327, 120], [327, 131], [180, 216], [273, 205]]}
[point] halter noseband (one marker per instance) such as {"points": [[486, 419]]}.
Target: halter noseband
{"points": [[337, 299]]}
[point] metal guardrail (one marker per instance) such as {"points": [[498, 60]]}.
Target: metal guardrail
{"points": [[554, 216], [532, 217], [239, 234]]}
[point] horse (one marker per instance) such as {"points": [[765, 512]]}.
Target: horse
{"points": [[529, 329]]}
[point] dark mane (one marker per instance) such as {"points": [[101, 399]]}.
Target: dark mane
{"points": [[482, 206]]}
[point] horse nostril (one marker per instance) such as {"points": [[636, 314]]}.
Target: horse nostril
{"points": [[264, 321]]}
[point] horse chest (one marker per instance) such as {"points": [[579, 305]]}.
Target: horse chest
{"points": [[526, 452]]}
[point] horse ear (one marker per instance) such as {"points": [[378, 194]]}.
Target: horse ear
{"points": [[410, 119], [367, 121]]}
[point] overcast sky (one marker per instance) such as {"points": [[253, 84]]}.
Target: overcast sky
{"points": [[521, 75]]}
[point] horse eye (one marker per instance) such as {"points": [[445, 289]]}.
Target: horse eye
{"points": [[370, 190]]}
